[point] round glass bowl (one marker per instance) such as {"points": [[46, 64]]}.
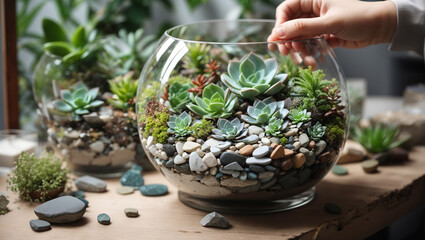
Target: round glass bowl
{"points": [[102, 141], [239, 124]]}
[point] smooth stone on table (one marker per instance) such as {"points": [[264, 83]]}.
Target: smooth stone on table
{"points": [[370, 166], [3, 201], [131, 212], [258, 161], [104, 219], [79, 194], [84, 201], [90, 184], [124, 190], [352, 152], [133, 177], [332, 208], [261, 152], [39, 225], [229, 157], [216, 220], [154, 190], [61, 210], [339, 170]]}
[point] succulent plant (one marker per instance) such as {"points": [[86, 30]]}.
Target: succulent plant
{"points": [[196, 57], [317, 131], [200, 82], [178, 95], [78, 101], [229, 129], [125, 90], [215, 102], [276, 127], [378, 138], [57, 42], [333, 101], [179, 125], [299, 116], [264, 110], [252, 76], [310, 84]]}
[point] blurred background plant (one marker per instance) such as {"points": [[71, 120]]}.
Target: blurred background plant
{"points": [[119, 24]]}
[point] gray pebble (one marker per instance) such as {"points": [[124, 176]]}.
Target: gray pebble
{"points": [[90, 184], [261, 152], [39, 225], [215, 219]]}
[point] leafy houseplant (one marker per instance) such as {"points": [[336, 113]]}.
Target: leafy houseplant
{"points": [[38, 178]]}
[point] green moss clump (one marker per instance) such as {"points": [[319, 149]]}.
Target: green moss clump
{"points": [[334, 133], [283, 140], [180, 79], [156, 126], [201, 129], [37, 176]]}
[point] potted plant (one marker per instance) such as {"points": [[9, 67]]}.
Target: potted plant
{"points": [[233, 119], [38, 178], [85, 86]]}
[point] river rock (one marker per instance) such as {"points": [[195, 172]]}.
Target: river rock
{"points": [[254, 130], [258, 161], [261, 152], [304, 140], [179, 159], [196, 163], [278, 152], [289, 152], [39, 225], [154, 190], [229, 157], [224, 145], [320, 146], [61, 210], [90, 184], [234, 166], [169, 149], [370, 166], [191, 146], [97, 146], [133, 177], [183, 168], [216, 220], [131, 212], [298, 160], [247, 150], [209, 160], [104, 219], [124, 190], [352, 152], [179, 147], [250, 139]]}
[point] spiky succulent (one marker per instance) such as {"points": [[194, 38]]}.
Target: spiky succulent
{"points": [[264, 110], [317, 131], [378, 138], [178, 95], [215, 102], [276, 127], [179, 125], [299, 116], [310, 84], [252, 76], [196, 57], [125, 90], [229, 129], [78, 101]]}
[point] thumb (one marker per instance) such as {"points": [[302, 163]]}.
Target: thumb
{"points": [[302, 27]]}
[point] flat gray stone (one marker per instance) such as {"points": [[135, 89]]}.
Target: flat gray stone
{"points": [[131, 212], [320, 146], [254, 130], [304, 140], [61, 210], [212, 142], [104, 219], [250, 139], [261, 152], [196, 163], [216, 220], [224, 146], [39, 225], [234, 166], [124, 190], [258, 161], [154, 190], [216, 151], [179, 147], [90, 184]]}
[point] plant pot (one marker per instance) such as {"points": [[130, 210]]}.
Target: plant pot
{"points": [[224, 116], [103, 141]]}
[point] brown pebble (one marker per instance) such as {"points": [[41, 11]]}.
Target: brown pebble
{"points": [[274, 145], [288, 152], [247, 150], [286, 165], [278, 152], [325, 157], [312, 144], [298, 160], [225, 177]]}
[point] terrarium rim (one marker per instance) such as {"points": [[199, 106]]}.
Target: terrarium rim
{"points": [[167, 33]]}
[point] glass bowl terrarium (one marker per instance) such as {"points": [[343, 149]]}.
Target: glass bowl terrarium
{"points": [[86, 89], [239, 124]]}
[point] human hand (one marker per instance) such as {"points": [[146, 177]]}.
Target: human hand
{"points": [[343, 23]]}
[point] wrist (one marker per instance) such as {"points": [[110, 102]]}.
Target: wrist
{"points": [[387, 21]]}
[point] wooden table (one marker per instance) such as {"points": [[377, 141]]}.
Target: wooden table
{"points": [[369, 202]]}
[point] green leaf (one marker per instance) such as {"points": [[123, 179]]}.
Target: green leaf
{"points": [[81, 111], [79, 93], [95, 103], [79, 102], [216, 107], [53, 32], [73, 56], [58, 48], [62, 106], [79, 37], [210, 90]]}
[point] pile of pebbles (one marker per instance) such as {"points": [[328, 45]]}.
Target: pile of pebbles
{"points": [[259, 163]]}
